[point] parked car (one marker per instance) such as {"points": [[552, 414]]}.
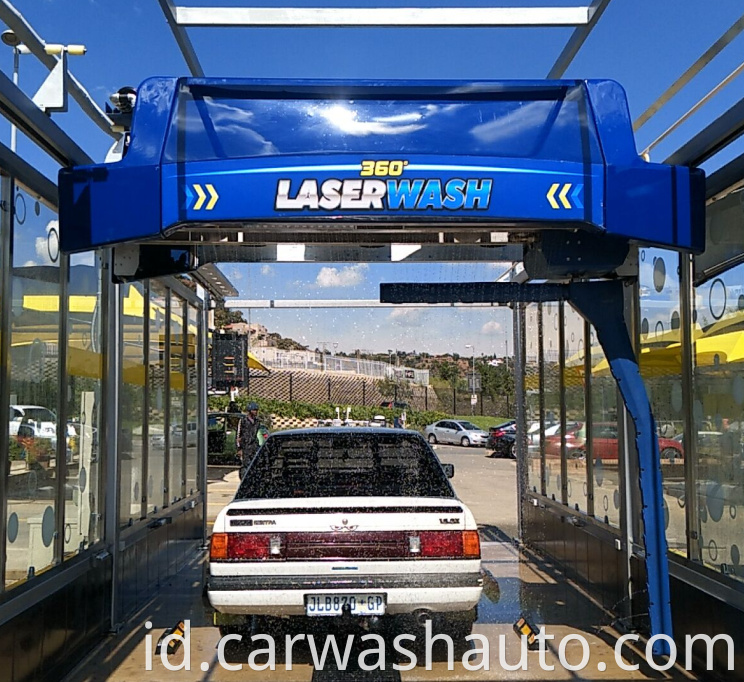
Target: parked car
{"points": [[333, 522], [42, 419], [505, 445], [605, 443], [497, 432], [394, 404], [454, 431]]}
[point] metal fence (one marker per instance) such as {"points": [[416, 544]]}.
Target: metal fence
{"points": [[318, 387]]}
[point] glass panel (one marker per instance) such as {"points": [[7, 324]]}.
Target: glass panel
{"points": [[552, 401], [230, 123], [532, 396], [193, 443], [156, 406], [34, 390], [661, 362], [574, 379], [83, 508], [131, 402], [718, 412], [177, 399], [605, 442]]}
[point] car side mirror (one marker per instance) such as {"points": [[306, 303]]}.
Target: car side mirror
{"points": [[449, 470]]}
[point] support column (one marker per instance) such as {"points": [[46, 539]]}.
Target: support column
{"points": [[520, 410]]}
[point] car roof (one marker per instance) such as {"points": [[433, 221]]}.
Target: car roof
{"points": [[346, 431]]}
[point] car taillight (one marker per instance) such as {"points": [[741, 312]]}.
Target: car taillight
{"points": [[246, 547], [249, 546], [450, 544], [471, 544], [218, 547]]}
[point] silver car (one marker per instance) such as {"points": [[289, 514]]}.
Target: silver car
{"points": [[455, 431]]}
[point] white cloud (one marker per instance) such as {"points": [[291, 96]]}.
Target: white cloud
{"points": [[45, 247], [407, 317], [350, 276], [491, 327], [267, 271]]}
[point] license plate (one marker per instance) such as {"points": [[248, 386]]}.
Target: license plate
{"points": [[337, 604]]}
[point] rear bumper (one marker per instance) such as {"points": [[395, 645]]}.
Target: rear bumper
{"points": [[285, 595]]}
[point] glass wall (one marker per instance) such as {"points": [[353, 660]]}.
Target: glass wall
{"points": [[131, 402], [605, 437], [84, 383], [158, 320], [574, 383], [661, 368], [32, 511], [552, 399], [718, 414]]}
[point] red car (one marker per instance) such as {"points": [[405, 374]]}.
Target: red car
{"points": [[605, 444]]}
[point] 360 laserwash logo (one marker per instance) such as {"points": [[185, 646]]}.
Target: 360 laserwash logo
{"points": [[370, 192]]}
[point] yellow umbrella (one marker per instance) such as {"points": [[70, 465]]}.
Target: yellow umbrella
{"points": [[255, 363]]}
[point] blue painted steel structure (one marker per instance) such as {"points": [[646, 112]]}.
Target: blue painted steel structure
{"points": [[600, 302], [545, 156], [511, 154]]}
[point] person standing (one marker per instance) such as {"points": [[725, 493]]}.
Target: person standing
{"points": [[248, 437]]}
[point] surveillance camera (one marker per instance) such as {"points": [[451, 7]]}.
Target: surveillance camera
{"points": [[124, 99]]}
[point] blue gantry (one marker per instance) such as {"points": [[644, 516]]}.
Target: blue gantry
{"points": [[521, 155]]}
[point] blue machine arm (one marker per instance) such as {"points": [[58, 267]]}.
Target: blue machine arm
{"points": [[601, 303]]}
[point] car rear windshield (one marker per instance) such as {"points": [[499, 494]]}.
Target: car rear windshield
{"points": [[345, 465]]}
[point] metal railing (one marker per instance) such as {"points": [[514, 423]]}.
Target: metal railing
{"points": [[311, 361]]}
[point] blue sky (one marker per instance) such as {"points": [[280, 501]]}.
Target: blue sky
{"points": [[644, 44]]}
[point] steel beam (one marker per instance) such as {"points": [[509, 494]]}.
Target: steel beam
{"points": [[238, 252], [26, 34], [711, 139], [32, 180], [33, 122], [577, 39], [292, 304], [182, 38], [403, 17], [706, 58]]}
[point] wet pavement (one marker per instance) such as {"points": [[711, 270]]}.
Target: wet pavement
{"points": [[517, 584]]}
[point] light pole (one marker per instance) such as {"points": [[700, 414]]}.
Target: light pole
{"points": [[472, 386]]}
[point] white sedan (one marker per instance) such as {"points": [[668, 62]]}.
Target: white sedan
{"points": [[345, 522]]}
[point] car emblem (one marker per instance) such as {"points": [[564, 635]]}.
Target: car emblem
{"points": [[344, 527]]}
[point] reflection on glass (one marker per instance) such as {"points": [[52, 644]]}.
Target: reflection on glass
{"points": [[574, 381], [718, 413], [552, 401], [177, 399], [157, 321], [660, 363], [83, 507], [33, 429], [532, 396], [131, 402], [605, 437]]}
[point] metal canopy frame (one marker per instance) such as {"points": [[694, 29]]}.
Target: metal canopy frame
{"points": [[26, 34], [584, 19]]}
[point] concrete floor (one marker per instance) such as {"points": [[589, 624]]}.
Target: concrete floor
{"points": [[519, 585]]}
